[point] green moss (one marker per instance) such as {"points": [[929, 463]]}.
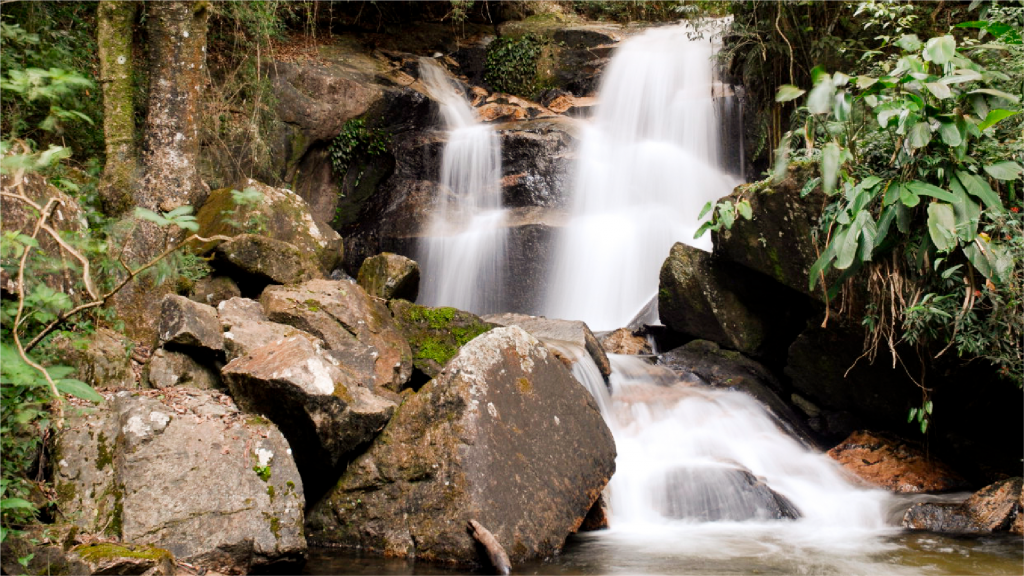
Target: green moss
{"points": [[95, 553], [104, 456], [115, 522], [436, 318], [524, 385], [256, 420], [341, 391], [270, 492], [65, 493], [432, 348], [777, 270], [312, 305], [290, 484], [275, 525]]}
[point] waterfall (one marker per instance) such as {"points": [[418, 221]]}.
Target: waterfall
{"points": [[647, 165], [463, 255]]}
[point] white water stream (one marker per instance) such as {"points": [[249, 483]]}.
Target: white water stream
{"points": [[647, 165], [463, 255]]}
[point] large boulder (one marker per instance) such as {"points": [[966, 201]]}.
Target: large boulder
{"points": [[894, 465], [186, 471], [256, 261], [318, 403], [573, 332], [435, 334], [715, 492], [697, 297], [168, 368], [108, 558], [281, 215], [189, 324], [357, 328], [390, 276], [99, 359], [504, 436], [994, 508]]}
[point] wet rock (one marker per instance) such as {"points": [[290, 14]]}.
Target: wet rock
{"points": [[99, 359], [707, 362], [435, 335], [715, 493], [355, 327], [390, 276], [696, 297], [504, 435], [894, 465], [994, 508], [108, 558], [183, 470], [317, 402], [213, 290], [573, 332], [536, 162], [259, 260], [597, 517], [625, 341], [189, 324], [281, 215], [167, 368]]}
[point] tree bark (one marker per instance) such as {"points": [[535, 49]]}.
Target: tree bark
{"points": [[177, 69], [114, 36]]}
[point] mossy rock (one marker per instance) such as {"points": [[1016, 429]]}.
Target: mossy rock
{"points": [[110, 558], [435, 334]]}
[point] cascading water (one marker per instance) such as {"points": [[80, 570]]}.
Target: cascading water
{"points": [[647, 165], [464, 252]]}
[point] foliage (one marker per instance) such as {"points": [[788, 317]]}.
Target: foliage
{"points": [[639, 10], [246, 201], [918, 159], [723, 214], [511, 64], [354, 140]]}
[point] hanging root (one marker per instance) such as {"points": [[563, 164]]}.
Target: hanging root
{"points": [[497, 555]]}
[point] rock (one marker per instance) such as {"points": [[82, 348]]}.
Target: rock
{"points": [[212, 290], [714, 493], [894, 465], [183, 470], [236, 310], [504, 435], [994, 508], [537, 159], [318, 404], [597, 517], [100, 359], [826, 369], [189, 324], [42, 558], [435, 335], [246, 328], [167, 368], [777, 242], [281, 215], [695, 297], [625, 341], [574, 332], [108, 558], [731, 370], [358, 329], [390, 276], [256, 261]]}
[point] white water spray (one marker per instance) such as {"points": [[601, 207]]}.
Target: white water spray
{"points": [[647, 166], [463, 255]]}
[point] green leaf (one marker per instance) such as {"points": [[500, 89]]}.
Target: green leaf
{"points": [[950, 134], [11, 503], [979, 188], [960, 76], [908, 197], [819, 101], [179, 211], [829, 166], [892, 193], [911, 414], [994, 116], [147, 214], [942, 226], [1005, 170], [884, 223], [864, 82], [743, 207], [920, 135], [928, 406], [997, 94], [820, 264], [788, 92], [705, 210], [939, 90], [843, 106], [925, 189], [909, 42], [940, 49], [847, 251], [967, 212], [809, 186], [79, 389], [978, 257], [781, 159]]}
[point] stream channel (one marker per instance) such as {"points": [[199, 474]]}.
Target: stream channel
{"points": [[679, 503]]}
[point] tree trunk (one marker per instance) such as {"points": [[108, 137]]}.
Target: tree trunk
{"points": [[177, 69], [114, 36]]}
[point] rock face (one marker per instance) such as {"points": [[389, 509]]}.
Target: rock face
{"points": [[261, 260], [187, 472], [994, 508], [713, 493], [167, 368], [101, 359], [536, 162], [356, 328], [282, 215], [390, 276], [572, 331], [435, 334], [695, 297], [894, 465], [504, 435], [189, 324], [213, 290], [319, 405]]}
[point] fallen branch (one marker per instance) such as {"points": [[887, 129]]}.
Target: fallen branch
{"points": [[497, 555]]}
